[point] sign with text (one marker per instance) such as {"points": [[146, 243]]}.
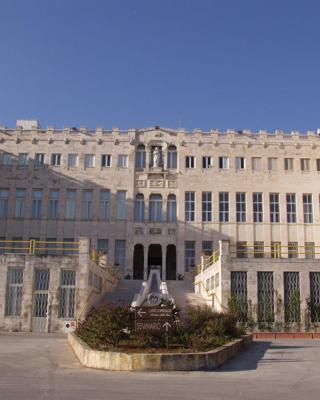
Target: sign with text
{"points": [[153, 319]]}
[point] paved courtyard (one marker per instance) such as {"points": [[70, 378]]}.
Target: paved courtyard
{"points": [[44, 367]]}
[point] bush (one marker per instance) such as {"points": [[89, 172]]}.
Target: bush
{"points": [[200, 328], [106, 326]]}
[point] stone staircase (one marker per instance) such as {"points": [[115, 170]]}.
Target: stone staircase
{"points": [[181, 291]]}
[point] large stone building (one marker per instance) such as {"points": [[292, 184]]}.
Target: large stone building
{"points": [[164, 197]]}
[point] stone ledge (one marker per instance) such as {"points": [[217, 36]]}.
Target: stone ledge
{"points": [[286, 335], [116, 361]]}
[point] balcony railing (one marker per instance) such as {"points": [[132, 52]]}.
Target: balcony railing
{"points": [[275, 250], [38, 247]]}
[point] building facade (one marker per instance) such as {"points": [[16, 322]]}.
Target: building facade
{"points": [[161, 196]]}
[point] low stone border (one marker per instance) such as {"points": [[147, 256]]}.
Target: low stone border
{"points": [[156, 361], [286, 335]]}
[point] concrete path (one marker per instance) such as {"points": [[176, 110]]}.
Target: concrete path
{"points": [[43, 367]]}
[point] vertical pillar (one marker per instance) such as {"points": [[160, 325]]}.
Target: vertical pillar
{"points": [[163, 260], [145, 263]]}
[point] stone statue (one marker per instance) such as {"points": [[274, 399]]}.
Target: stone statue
{"points": [[156, 157]]}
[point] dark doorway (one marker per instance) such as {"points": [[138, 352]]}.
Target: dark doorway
{"points": [[155, 257], [138, 261], [171, 263]]}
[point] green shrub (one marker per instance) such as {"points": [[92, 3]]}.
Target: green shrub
{"points": [[106, 326], [200, 328]]}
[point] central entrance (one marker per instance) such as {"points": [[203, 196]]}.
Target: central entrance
{"points": [[155, 257]]}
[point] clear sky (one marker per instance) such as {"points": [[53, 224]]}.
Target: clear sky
{"points": [[242, 64]]}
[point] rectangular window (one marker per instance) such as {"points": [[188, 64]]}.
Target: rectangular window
{"points": [[87, 196], [241, 206], [51, 245], [206, 162], [307, 208], [291, 296], [190, 162], [139, 208], [275, 249], [318, 164], [292, 249], [274, 207], [69, 248], [256, 163], [223, 162], [314, 278], [39, 160], [239, 293], [72, 160], [120, 254], [104, 204], [7, 159], [265, 297], [206, 206], [36, 203], [89, 160], [14, 292], [291, 208], [4, 196], [224, 206], [106, 160], [258, 249], [23, 159], [122, 161], [257, 207], [305, 164], [71, 204], [103, 246], [207, 248], [272, 164], [172, 157], [122, 208], [240, 163], [288, 164], [189, 254], [309, 249], [242, 249], [56, 160], [189, 206], [67, 293], [53, 211], [20, 203]]}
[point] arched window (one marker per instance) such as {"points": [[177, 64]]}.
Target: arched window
{"points": [[140, 157], [172, 157], [139, 208], [155, 208], [171, 208]]}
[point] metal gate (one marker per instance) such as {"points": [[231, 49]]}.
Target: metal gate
{"points": [[40, 309]]}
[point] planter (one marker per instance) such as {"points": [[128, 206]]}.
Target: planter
{"points": [[121, 361]]}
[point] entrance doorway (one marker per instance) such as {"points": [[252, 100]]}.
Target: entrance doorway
{"points": [[138, 261], [171, 263], [155, 257]]}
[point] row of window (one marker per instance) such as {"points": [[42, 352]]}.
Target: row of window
{"points": [[155, 206], [241, 207], [14, 292], [72, 160], [240, 163], [256, 163], [266, 294], [51, 244], [276, 250]]}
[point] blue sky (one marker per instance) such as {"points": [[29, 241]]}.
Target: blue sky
{"points": [[242, 64]]}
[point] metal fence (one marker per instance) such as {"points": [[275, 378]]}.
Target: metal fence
{"points": [[275, 250], [38, 247]]}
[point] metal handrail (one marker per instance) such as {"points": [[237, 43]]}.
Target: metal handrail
{"points": [[32, 246], [276, 250], [213, 295]]}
